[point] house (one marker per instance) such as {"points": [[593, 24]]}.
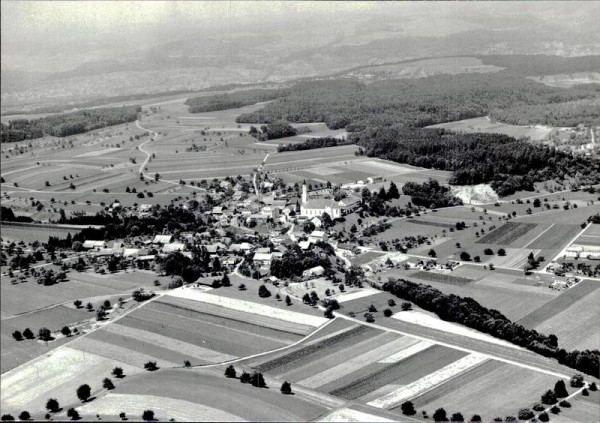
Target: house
{"points": [[374, 179], [316, 236], [145, 208], [217, 211], [314, 271], [162, 239], [132, 252], [263, 250], [262, 259], [304, 245], [94, 245], [316, 221], [173, 247], [348, 247]]}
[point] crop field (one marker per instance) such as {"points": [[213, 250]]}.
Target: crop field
{"points": [[487, 390], [576, 326], [441, 277], [485, 125], [557, 237], [30, 234], [507, 233], [583, 409]]}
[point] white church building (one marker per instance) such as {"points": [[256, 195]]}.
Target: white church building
{"points": [[316, 207]]}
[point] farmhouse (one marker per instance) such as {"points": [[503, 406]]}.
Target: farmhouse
{"points": [[173, 247], [314, 271], [162, 239], [262, 259], [96, 245]]}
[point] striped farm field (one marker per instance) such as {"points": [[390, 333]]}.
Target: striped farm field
{"points": [[507, 233], [441, 277], [491, 389], [375, 376]]}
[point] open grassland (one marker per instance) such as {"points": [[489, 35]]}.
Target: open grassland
{"points": [[29, 296], [485, 125], [506, 234], [492, 389], [496, 291], [55, 375], [223, 398], [30, 234]]}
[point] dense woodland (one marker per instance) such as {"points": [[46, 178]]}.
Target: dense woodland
{"points": [[63, 125], [311, 143], [570, 113], [430, 194], [468, 312], [354, 105], [508, 164], [295, 261], [232, 101], [273, 131]]}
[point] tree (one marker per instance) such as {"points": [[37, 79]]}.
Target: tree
{"points": [[440, 415], [27, 333], [66, 331], [89, 307], [464, 256], [406, 306], [225, 280], [100, 314], [230, 372], [369, 318], [393, 191], [77, 303], [245, 377], [187, 363], [476, 418], [457, 417], [52, 405], [257, 380], [576, 381], [73, 414], [432, 253], [44, 334], [488, 252], [17, 335], [108, 384], [328, 313], [593, 387], [148, 415], [151, 366], [84, 392], [286, 388], [388, 312], [372, 308], [122, 416], [560, 389], [549, 397], [408, 409], [288, 300], [544, 417], [7, 417], [525, 414], [24, 415], [501, 252], [263, 292], [118, 372]]}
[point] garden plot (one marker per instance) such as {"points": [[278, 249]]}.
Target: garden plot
{"points": [[365, 292], [433, 322], [251, 307], [428, 382], [441, 277]]}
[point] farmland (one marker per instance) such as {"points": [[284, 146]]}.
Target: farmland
{"points": [[486, 125]]}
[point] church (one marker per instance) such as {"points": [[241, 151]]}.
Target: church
{"points": [[318, 206]]}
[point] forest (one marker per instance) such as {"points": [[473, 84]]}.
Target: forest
{"points": [[527, 65], [311, 143], [66, 124], [430, 194], [570, 113], [234, 100], [468, 312], [344, 103], [506, 163]]}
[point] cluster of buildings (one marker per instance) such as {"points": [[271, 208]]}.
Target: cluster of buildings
{"points": [[581, 251]]}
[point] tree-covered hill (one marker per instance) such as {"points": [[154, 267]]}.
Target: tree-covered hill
{"points": [[66, 124], [234, 100]]}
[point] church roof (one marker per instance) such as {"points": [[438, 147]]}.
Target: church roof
{"points": [[320, 203]]}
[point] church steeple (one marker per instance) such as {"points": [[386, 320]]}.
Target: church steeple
{"points": [[304, 193]]}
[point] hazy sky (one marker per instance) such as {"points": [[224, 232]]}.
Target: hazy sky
{"points": [[84, 28]]}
